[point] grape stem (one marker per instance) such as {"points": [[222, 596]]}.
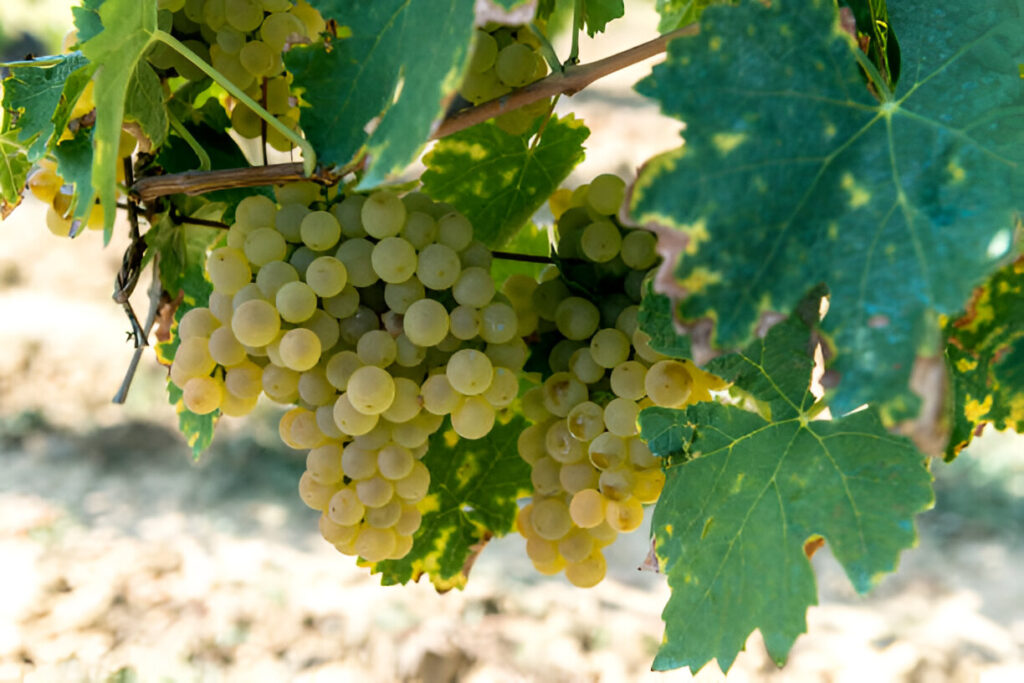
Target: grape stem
{"points": [[577, 25], [525, 258], [568, 82]]}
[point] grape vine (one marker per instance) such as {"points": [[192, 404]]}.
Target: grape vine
{"points": [[733, 336]]}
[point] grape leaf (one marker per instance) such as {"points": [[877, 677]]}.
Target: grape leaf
{"points": [[731, 523], [499, 180], [986, 358], [35, 93], [403, 60], [597, 14], [74, 165], [128, 27], [793, 173], [87, 19], [666, 431], [474, 485], [145, 103], [678, 13], [656, 319], [14, 167]]}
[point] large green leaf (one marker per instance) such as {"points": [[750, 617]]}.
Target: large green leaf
{"points": [[14, 166], [794, 173], [597, 14], [145, 103], [678, 13], [35, 94], [731, 523], [474, 486], [402, 61], [499, 180], [656, 319], [74, 165], [986, 358], [128, 27]]}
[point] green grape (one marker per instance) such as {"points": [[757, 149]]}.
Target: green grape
{"points": [[310, 17], [577, 318], [640, 454], [246, 122], [562, 392], [606, 193], [264, 245], [587, 508], [511, 354], [335, 533], [477, 255], [289, 220], [395, 462], [255, 211], [576, 476], [607, 451], [626, 322], [374, 545], [314, 494], [470, 372], [279, 28], [465, 322], [668, 383], [301, 257], [473, 418], [300, 349], [258, 58], [498, 323], [325, 422], [325, 275], [408, 355], [385, 516], [515, 65], [547, 296], [601, 241], [450, 344], [230, 40], [225, 62], [228, 270], [533, 405], [519, 290], [383, 214], [454, 230], [349, 214], [375, 439], [583, 367], [202, 395], [320, 230], [585, 421], [648, 485], [550, 519], [409, 521], [355, 326], [279, 101], [420, 229], [439, 398], [541, 551], [406, 405], [531, 443], [343, 304], [620, 416], [439, 267], [624, 515], [273, 275], [609, 347], [256, 323], [192, 359], [279, 383], [561, 445], [400, 295], [576, 546], [485, 51], [194, 10], [479, 87], [375, 491], [296, 301], [324, 464], [276, 5], [314, 389], [588, 573], [248, 293], [426, 323], [244, 380], [197, 322], [358, 462], [394, 259], [355, 254], [244, 15], [371, 390], [628, 379], [639, 249], [344, 507], [504, 388], [474, 287], [351, 421], [377, 347], [225, 349], [236, 406], [642, 345]]}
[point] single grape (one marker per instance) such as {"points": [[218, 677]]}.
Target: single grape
{"points": [[587, 508], [351, 421], [202, 395], [225, 348], [264, 245], [606, 193], [324, 464], [326, 276], [515, 65], [320, 230], [377, 347], [668, 383], [454, 230], [498, 323], [588, 573], [585, 421], [474, 287], [628, 380], [296, 301], [344, 507], [439, 267], [426, 322], [371, 390], [607, 451], [197, 322], [272, 276], [624, 515], [300, 349], [406, 404], [280, 384], [562, 392], [639, 249], [383, 214], [356, 254], [394, 260], [550, 519], [228, 270], [470, 372], [473, 418], [255, 323]]}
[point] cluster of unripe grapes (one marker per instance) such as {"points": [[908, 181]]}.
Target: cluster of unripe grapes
{"points": [[591, 471], [504, 58], [378, 317], [242, 39]]}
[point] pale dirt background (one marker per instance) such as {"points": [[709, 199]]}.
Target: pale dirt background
{"points": [[122, 560]]}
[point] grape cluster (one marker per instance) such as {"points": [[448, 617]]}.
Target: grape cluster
{"points": [[591, 471], [242, 39], [378, 317], [503, 58]]}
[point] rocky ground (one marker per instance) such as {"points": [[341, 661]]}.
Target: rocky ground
{"points": [[122, 560]]}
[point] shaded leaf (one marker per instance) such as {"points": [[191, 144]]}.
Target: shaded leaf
{"points": [[75, 166], [666, 431], [34, 93], [678, 13], [597, 14], [145, 103], [793, 174], [499, 180], [474, 485], [986, 358], [732, 523], [656, 319], [401, 63], [14, 167]]}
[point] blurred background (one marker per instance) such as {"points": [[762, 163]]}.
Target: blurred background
{"points": [[121, 559]]}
